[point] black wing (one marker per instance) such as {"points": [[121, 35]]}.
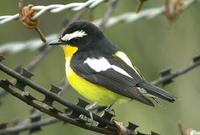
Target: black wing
{"points": [[112, 79]]}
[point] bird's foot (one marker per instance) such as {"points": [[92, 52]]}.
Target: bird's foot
{"points": [[109, 110], [91, 108]]}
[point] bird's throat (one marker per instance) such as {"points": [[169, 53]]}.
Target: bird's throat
{"points": [[69, 51]]}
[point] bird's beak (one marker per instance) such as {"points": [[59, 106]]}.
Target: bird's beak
{"points": [[56, 42]]}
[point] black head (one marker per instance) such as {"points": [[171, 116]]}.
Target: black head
{"points": [[80, 34]]}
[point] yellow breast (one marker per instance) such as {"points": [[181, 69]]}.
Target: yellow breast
{"points": [[90, 91]]}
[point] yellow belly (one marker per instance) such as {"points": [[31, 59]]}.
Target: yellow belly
{"points": [[91, 91]]}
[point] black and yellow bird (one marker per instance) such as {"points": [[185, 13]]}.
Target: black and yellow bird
{"points": [[100, 72]]}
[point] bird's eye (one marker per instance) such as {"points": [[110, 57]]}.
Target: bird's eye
{"points": [[76, 39], [60, 39]]}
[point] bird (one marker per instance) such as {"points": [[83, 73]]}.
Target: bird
{"points": [[100, 71]]}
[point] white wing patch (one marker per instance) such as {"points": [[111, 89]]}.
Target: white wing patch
{"points": [[75, 34], [102, 64]]}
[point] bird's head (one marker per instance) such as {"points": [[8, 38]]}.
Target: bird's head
{"points": [[80, 34]]}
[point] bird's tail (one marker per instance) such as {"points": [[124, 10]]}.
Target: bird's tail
{"points": [[156, 91]]}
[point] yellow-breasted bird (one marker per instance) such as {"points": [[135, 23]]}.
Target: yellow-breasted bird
{"points": [[99, 71]]}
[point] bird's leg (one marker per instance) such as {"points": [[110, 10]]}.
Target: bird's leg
{"points": [[99, 109], [90, 108], [109, 109]]}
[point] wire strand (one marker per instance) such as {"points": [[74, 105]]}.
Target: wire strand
{"points": [[54, 8]]}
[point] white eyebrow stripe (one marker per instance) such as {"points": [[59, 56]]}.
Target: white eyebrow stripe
{"points": [[75, 34], [102, 64]]}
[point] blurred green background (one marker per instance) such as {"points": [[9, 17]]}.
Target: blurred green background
{"points": [[152, 45]]}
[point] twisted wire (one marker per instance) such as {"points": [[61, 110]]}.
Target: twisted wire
{"points": [[54, 8]]}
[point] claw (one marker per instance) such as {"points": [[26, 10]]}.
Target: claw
{"points": [[91, 116], [90, 107]]}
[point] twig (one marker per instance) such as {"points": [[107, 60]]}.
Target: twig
{"points": [[139, 5], [33, 64], [181, 128], [2, 94], [111, 6], [26, 13]]}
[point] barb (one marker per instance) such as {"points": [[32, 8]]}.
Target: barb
{"points": [[27, 124], [15, 47], [33, 63], [167, 76], [54, 8], [44, 91]]}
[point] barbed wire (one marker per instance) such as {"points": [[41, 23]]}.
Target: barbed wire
{"points": [[27, 123], [166, 77], [29, 126], [54, 8], [70, 113], [144, 14], [16, 47]]}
